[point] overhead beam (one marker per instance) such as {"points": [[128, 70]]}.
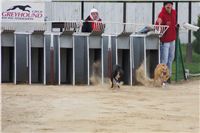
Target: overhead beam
{"points": [[141, 1]]}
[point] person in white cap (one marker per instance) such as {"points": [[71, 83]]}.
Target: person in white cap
{"points": [[91, 21]]}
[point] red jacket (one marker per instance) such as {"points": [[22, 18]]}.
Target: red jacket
{"points": [[170, 20]]}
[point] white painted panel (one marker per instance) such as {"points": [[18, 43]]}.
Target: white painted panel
{"points": [[183, 17], [136, 14], [63, 11], [158, 8], [48, 11]]}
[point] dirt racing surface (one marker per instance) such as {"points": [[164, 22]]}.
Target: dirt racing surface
{"points": [[98, 109]]}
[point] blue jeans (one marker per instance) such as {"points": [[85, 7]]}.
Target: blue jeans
{"points": [[167, 52]]}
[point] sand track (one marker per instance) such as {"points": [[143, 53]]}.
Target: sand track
{"points": [[83, 109]]}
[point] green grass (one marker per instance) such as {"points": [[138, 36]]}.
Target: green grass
{"points": [[194, 66]]}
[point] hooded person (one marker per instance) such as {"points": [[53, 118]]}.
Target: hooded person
{"points": [[90, 22]]}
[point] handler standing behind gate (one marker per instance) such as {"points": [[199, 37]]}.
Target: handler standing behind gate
{"points": [[94, 21], [167, 16]]}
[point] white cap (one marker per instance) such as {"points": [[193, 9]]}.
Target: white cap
{"points": [[93, 10]]}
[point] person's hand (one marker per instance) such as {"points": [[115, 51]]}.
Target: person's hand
{"points": [[159, 21], [81, 23]]}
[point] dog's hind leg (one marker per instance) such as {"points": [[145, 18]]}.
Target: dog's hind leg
{"points": [[13, 8], [27, 10]]}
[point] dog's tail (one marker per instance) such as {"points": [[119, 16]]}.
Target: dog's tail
{"points": [[11, 8]]}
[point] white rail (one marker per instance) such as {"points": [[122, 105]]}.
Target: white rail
{"points": [[112, 28]]}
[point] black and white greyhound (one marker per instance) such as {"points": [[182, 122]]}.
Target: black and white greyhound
{"points": [[116, 77]]}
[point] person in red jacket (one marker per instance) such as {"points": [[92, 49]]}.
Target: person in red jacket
{"points": [[167, 16], [92, 22]]}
